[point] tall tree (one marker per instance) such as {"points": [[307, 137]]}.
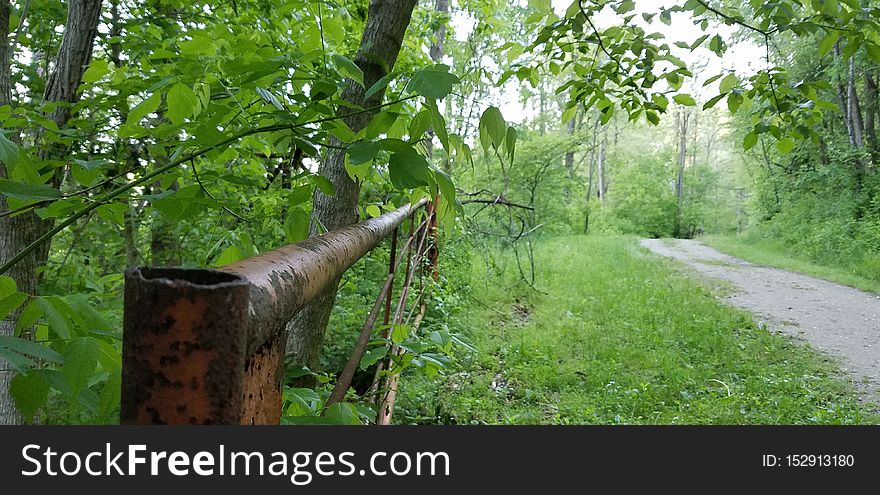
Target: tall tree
{"points": [[62, 87], [682, 120], [387, 21]]}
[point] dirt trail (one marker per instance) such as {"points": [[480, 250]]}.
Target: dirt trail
{"points": [[841, 321]]}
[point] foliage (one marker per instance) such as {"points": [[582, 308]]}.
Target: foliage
{"points": [[617, 336], [198, 127], [752, 247]]}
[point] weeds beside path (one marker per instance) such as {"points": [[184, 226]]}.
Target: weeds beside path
{"points": [[841, 321], [616, 335]]}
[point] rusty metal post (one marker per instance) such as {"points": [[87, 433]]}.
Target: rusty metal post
{"points": [[392, 265], [207, 346], [183, 346]]}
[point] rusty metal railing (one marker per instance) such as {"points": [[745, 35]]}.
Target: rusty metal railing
{"points": [[207, 346]]}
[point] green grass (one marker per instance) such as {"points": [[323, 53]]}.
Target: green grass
{"points": [[617, 335], [768, 253]]}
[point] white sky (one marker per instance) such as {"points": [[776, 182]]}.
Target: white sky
{"points": [[745, 58]]}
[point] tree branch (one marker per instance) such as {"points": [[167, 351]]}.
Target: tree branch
{"points": [[146, 178]]}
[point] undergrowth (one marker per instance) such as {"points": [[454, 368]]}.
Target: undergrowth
{"points": [[611, 334]]}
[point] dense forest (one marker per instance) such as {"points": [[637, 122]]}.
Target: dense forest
{"points": [[549, 136]]}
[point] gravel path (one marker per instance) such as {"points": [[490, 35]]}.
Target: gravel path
{"points": [[841, 321]]}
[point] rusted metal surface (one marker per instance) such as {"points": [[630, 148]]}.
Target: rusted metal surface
{"points": [[207, 346], [183, 346], [387, 399], [261, 392], [392, 267], [284, 280]]}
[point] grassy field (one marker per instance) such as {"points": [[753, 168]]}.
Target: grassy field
{"points": [[615, 335], [766, 253]]}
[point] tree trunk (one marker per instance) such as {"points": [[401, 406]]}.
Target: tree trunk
{"points": [[602, 185], [18, 232], [682, 117], [843, 101], [386, 25], [436, 53], [436, 50], [569, 159], [871, 113], [854, 111], [593, 150]]}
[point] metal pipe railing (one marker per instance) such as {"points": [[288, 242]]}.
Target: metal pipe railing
{"points": [[207, 346]]}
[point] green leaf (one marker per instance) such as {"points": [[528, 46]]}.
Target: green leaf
{"points": [[712, 79], [372, 356], [399, 333], [296, 225], [29, 315], [97, 69], [80, 361], [270, 98], [409, 170], [306, 394], [625, 6], [28, 192], [297, 406], [109, 357], [95, 321], [699, 41], [785, 145], [394, 145], [750, 141], [729, 82], [439, 125], [380, 124], [873, 52], [144, 108], [299, 195], [108, 401], [90, 164], [684, 99], [7, 286], [348, 69], [30, 392], [373, 211], [10, 303], [229, 255], [181, 103], [711, 103], [200, 44], [57, 322], [661, 101], [492, 128], [420, 124], [734, 100], [15, 360], [380, 84], [510, 142], [30, 349], [717, 45], [113, 212], [342, 413], [446, 186], [322, 89], [323, 184], [362, 151], [826, 44], [8, 149], [435, 83]]}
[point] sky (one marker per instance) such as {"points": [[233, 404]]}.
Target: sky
{"points": [[745, 58]]}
